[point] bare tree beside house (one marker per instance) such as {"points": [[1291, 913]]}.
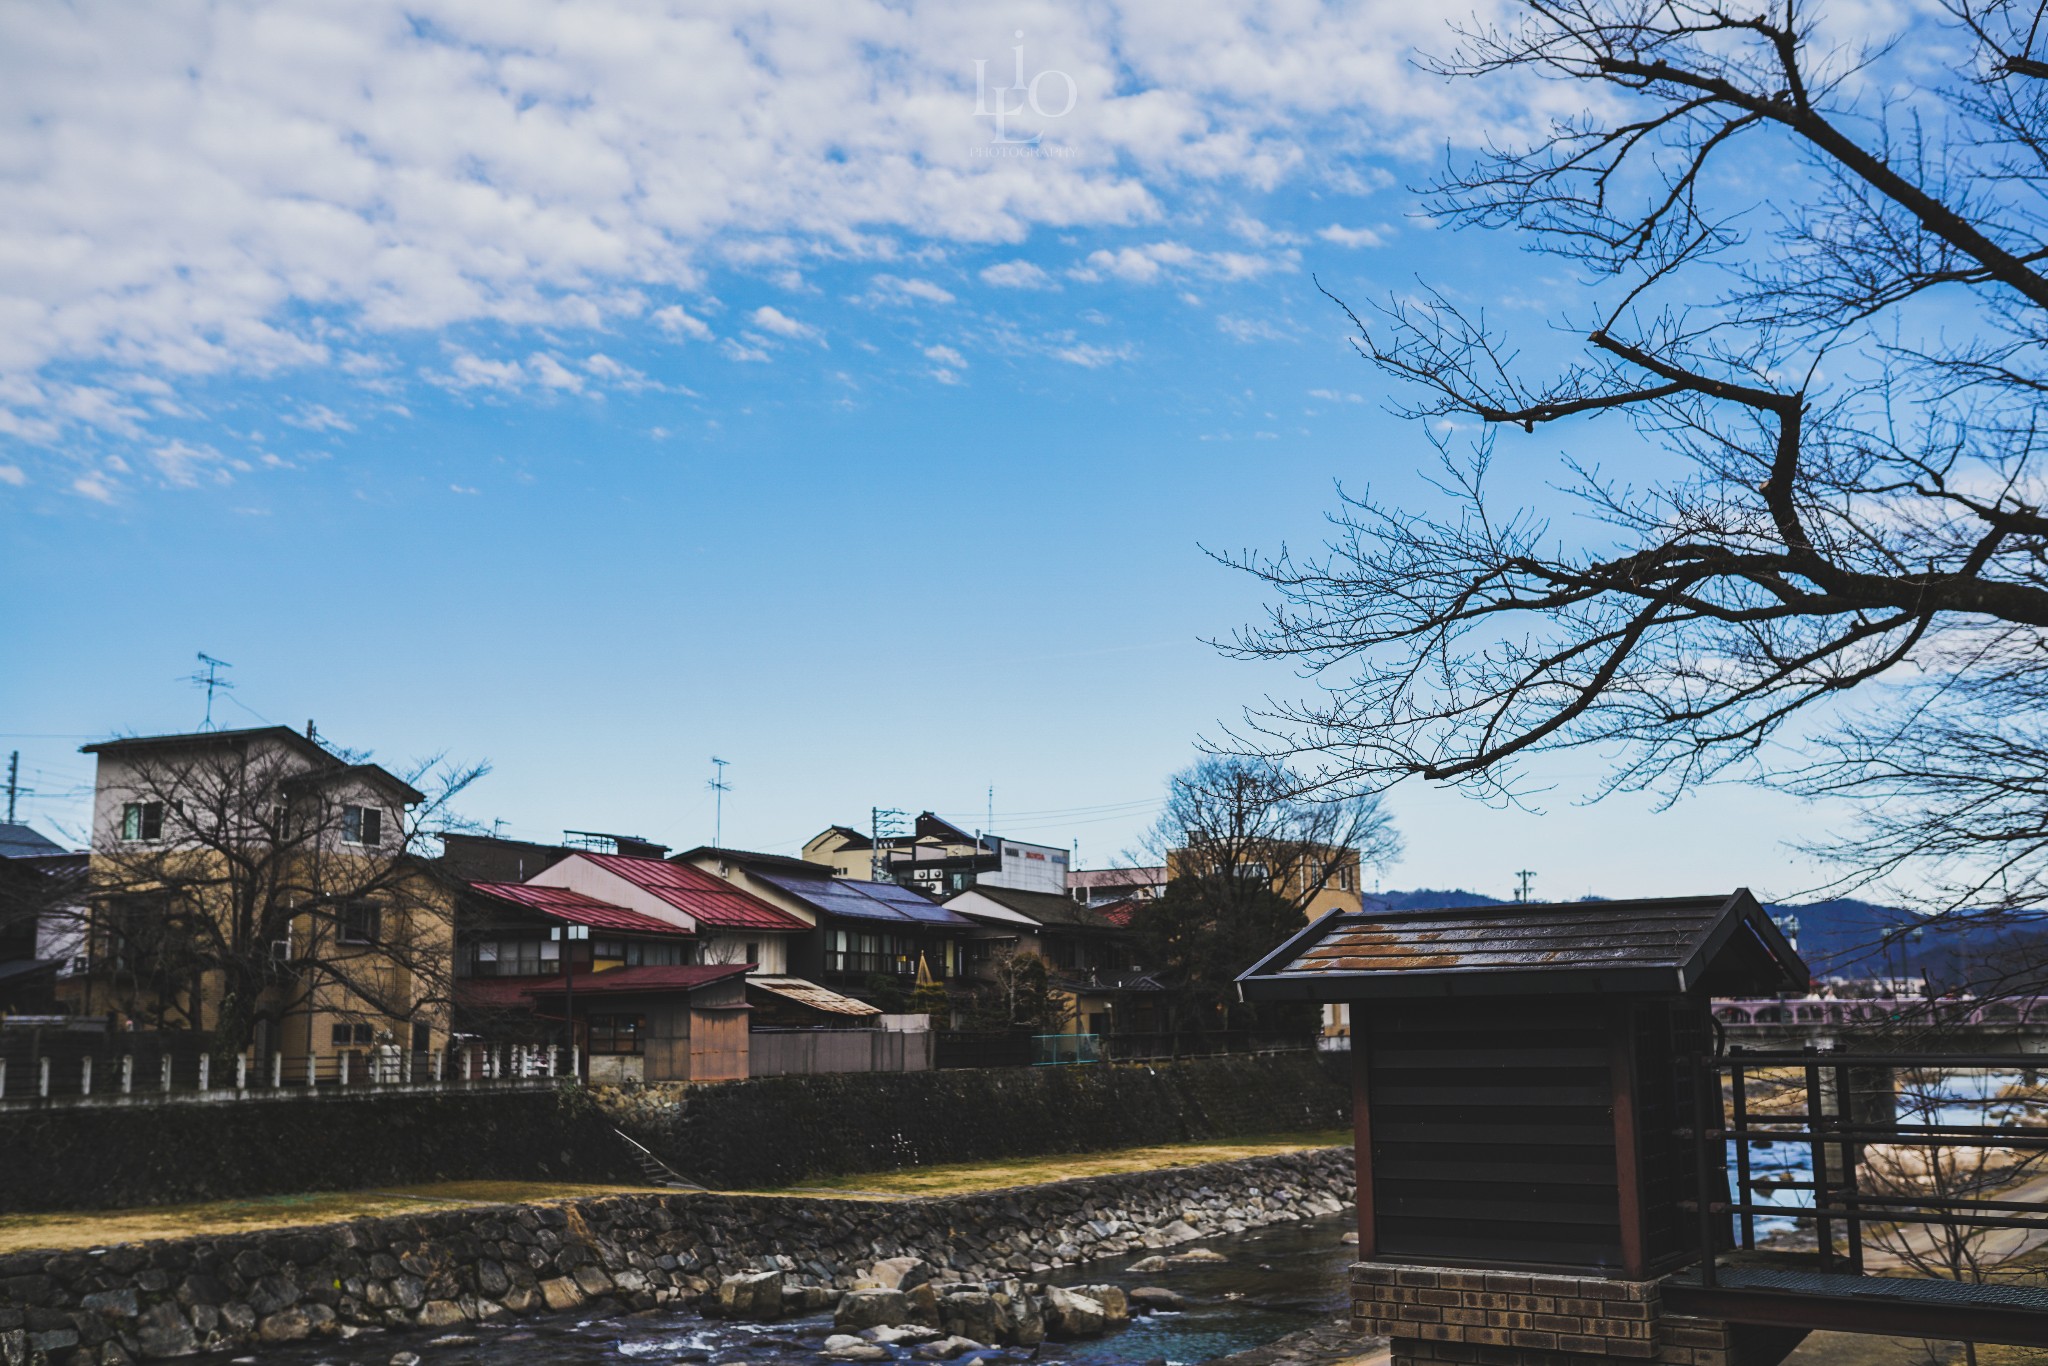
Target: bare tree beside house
{"points": [[262, 887]]}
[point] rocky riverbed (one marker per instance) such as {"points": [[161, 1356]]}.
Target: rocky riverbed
{"points": [[1279, 1288]]}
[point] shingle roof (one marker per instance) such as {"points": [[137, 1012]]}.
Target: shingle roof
{"points": [[1047, 908], [708, 899], [329, 762], [859, 900], [642, 981], [578, 909], [811, 995], [1665, 946], [751, 858], [21, 841]]}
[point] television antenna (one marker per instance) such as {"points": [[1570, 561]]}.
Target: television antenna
{"points": [[210, 680], [720, 786]]}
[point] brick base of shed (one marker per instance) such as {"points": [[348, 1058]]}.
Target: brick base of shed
{"points": [[1441, 1317]]}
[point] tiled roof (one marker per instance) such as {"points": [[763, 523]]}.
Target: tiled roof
{"points": [[1047, 908], [577, 909], [20, 841], [1665, 945], [687, 977], [704, 897]]}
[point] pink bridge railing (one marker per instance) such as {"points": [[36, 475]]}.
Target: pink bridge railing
{"points": [[2005, 1011]]}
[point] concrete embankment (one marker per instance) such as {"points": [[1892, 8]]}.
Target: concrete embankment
{"points": [[178, 1297]]}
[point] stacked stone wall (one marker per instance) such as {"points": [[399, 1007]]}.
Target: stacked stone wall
{"points": [[777, 1130], [113, 1157], [110, 1306]]}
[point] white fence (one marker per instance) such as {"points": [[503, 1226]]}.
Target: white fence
{"points": [[117, 1080]]}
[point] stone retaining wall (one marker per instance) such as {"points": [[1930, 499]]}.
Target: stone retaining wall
{"points": [[773, 1131], [109, 1306]]}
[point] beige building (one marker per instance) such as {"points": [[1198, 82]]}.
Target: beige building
{"points": [[258, 886]]}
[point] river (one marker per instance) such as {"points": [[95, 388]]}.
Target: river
{"points": [[1276, 1280]]}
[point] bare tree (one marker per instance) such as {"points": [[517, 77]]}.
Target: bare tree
{"points": [[1813, 299], [253, 876]]}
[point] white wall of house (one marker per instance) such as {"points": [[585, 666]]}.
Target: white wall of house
{"points": [[769, 953], [579, 874]]}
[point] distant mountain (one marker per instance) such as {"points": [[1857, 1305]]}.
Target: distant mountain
{"points": [[1428, 899]]}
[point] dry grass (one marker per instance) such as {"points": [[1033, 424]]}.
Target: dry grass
{"points": [[963, 1178], [102, 1228]]}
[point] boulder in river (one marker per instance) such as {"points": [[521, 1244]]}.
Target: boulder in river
{"points": [[750, 1295], [945, 1349], [1068, 1315], [896, 1273], [1116, 1309], [858, 1309], [846, 1347], [1196, 1256], [1148, 1299], [1145, 1264]]}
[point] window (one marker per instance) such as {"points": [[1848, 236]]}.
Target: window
{"points": [[362, 825], [360, 922], [422, 1038], [754, 954], [512, 958], [142, 821], [354, 1035], [616, 1033]]}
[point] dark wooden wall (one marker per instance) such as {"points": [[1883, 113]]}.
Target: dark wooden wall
{"points": [[1666, 1036], [1492, 1131]]}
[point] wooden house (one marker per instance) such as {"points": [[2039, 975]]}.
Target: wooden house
{"points": [[1523, 1078]]}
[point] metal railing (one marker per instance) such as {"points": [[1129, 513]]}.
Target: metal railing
{"points": [[1064, 1050], [1886, 1010], [1846, 1107], [125, 1078]]}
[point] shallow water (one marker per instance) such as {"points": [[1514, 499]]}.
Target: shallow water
{"points": [[1276, 1280]]}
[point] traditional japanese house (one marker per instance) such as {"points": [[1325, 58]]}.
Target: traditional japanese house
{"points": [[1522, 1073]]}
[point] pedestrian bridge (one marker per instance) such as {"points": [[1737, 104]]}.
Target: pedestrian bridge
{"points": [[2011, 1024]]}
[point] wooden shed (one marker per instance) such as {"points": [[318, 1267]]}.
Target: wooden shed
{"points": [[1523, 1074], [681, 1023]]}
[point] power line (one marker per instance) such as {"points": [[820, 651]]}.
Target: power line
{"points": [[1523, 878]]}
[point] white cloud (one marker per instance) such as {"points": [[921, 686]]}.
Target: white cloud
{"points": [[895, 289], [1016, 275], [469, 489], [13, 474], [738, 350], [1148, 264], [946, 355], [1334, 396], [1093, 357], [318, 417], [677, 323], [1352, 237], [94, 487], [1248, 329], [774, 320]]}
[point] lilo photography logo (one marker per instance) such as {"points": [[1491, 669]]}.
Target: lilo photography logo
{"points": [[1035, 99]]}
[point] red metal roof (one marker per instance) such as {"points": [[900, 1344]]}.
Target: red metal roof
{"points": [[687, 977], [578, 909], [702, 896]]}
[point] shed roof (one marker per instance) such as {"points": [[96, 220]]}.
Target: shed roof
{"points": [[22, 841], [1043, 908], [578, 909], [813, 996], [705, 898], [1661, 946]]}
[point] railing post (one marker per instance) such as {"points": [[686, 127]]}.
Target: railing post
{"points": [[1706, 1084], [405, 1068], [241, 1071], [576, 1061], [1741, 1123], [465, 1064], [1823, 1230], [205, 1071], [311, 1079], [85, 1076], [1845, 1118], [344, 1069], [163, 1079], [553, 1060], [277, 1071], [3, 1078], [440, 1058], [127, 1074], [43, 1083]]}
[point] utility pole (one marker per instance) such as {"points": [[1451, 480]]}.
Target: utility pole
{"points": [[13, 782], [1523, 877], [881, 825], [719, 785], [212, 682]]}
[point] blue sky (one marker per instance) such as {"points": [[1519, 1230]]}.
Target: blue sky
{"points": [[593, 390]]}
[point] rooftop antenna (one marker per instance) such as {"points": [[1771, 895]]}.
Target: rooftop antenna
{"points": [[719, 785], [991, 810], [1523, 877], [14, 787], [210, 680]]}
